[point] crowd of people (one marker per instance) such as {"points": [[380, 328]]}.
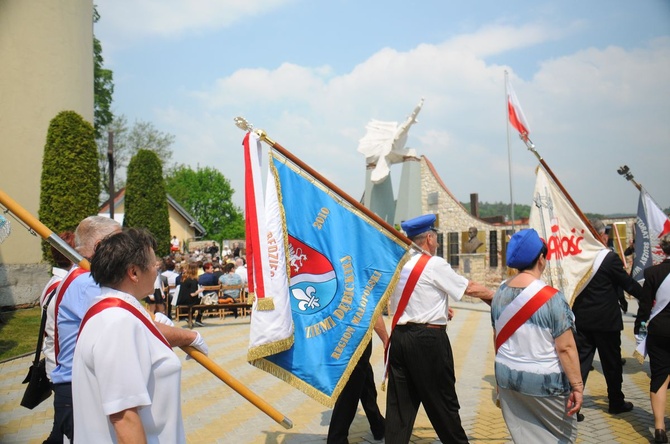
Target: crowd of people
{"points": [[183, 276], [116, 378]]}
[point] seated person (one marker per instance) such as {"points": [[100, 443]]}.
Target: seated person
{"points": [[229, 277], [189, 290], [207, 278]]}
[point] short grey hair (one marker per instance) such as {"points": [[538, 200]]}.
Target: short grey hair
{"points": [[598, 225], [92, 230]]}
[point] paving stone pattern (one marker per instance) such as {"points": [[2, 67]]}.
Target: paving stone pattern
{"points": [[214, 413]]}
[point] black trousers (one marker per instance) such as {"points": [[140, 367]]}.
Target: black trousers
{"points": [[608, 345], [421, 371], [369, 403], [63, 414], [361, 385]]}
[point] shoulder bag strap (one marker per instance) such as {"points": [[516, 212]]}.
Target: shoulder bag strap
{"points": [[43, 323]]}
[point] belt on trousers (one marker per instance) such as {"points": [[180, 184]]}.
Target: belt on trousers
{"points": [[438, 326]]}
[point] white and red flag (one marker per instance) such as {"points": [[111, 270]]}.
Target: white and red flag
{"points": [[272, 328], [322, 271], [516, 117], [651, 224], [573, 249]]}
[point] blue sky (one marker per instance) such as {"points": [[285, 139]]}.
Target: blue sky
{"points": [[592, 78]]}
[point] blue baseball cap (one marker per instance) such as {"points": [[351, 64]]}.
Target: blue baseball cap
{"points": [[523, 248], [419, 224]]}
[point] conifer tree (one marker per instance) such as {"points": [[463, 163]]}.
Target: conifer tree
{"points": [[70, 176], [146, 200]]}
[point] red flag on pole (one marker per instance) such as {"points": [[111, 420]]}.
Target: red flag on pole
{"points": [[516, 116]]}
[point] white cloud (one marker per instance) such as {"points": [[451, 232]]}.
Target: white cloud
{"points": [[133, 19], [590, 112]]}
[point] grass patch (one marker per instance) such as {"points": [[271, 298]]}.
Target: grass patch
{"points": [[18, 332]]}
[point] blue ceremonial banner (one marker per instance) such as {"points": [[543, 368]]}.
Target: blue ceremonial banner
{"points": [[342, 267]]}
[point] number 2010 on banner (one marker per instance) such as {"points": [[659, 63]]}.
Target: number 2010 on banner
{"points": [[321, 218]]}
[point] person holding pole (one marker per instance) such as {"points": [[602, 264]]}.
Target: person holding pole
{"points": [[72, 299], [125, 377], [599, 322]]}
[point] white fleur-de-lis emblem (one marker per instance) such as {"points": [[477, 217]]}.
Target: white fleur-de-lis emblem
{"points": [[307, 299]]}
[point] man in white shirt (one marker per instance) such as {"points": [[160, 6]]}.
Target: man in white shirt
{"points": [[241, 270], [421, 365]]}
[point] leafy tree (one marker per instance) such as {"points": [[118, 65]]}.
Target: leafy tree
{"points": [[146, 200], [127, 142], [500, 209], [103, 86], [595, 216], [207, 195], [70, 177]]}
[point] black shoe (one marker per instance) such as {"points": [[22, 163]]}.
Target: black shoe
{"points": [[623, 361], [380, 436], [660, 436], [580, 417], [623, 408]]}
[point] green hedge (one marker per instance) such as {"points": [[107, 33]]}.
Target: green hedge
{"points": [[146, 199], [70, 183]]}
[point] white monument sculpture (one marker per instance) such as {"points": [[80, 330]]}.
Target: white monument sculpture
{"points": [[384, 145]]}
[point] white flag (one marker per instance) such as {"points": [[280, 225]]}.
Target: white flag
{"points": [[271, 327], [572, 247]]}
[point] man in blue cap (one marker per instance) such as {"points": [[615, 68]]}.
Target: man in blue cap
{"points": [[421, 364]]}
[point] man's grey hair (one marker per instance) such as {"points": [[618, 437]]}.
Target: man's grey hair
{"points": [[92, 230], [239, 262], [598, 225]]}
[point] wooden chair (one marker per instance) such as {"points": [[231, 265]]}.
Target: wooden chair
{"points": [[240, 298], [208, 289]]}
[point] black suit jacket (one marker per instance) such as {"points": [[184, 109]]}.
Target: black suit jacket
{"points": [[596, 308], [653, 277]]}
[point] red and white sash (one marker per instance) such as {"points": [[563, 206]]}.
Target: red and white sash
{"points": [[662, 300], [120, 303], [407, 291], [72, 275], [521, 309]]}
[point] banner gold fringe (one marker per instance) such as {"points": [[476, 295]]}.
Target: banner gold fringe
{"points": [[271, 348], [637, 355], [273, 169], [256, 356], [265, 304], [580, 285]]}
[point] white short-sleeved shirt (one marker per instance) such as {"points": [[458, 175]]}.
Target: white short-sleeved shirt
{"points": [[71, 310], [241, 271], [120, 364], [429, 304], [48, 345]]}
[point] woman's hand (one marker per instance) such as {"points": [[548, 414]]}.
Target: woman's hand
{"points": [[575, 400]]}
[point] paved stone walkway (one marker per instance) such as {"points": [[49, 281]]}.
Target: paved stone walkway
{"points": [[214, 413]]}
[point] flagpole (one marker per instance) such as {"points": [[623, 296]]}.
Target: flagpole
{"points": [[35, 226], [242, 124], [531, 147], [509, 155], [625, 172]]}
